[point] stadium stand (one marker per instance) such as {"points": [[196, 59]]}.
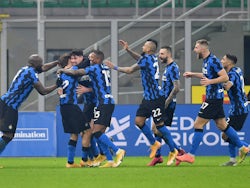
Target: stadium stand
{"points": [[113, 3]]}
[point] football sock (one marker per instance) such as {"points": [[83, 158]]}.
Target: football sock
{"points": [[85, 153], [166, 137], [147, 132], [71, 151], [232, 150], [94, 148], [105, 140], [158, 153], [232, 135], [198, 135], [105, 150]]}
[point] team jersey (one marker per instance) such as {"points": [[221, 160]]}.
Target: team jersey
{"points": [[150, 77], [236, 93], [21, 86], [87, 98], [171, 74], [210, 68], [69, 84], [101, 84]]}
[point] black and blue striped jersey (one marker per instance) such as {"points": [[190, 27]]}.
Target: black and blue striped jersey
{"points": [[21, 86], [210, 68], [87, 98], [171, 74], [236, 93], [69, 84], [150, 77], [101, 84]]}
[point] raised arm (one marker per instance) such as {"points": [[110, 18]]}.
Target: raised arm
{"points": [[44, 90], [50, 65], [127, 70], [79, 72], [193, 75], [133, 54]]}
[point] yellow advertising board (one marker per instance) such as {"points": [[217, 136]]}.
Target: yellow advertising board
{"points": [[199, 94]]}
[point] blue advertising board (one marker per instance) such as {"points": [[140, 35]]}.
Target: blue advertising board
{"points": [[35, 136], [126, 135]]}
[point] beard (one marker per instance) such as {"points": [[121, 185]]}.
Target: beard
{"points": [[164, 60], [199, 56]]}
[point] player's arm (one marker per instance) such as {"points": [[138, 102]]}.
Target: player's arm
{"points": [[222, 78], [193, 75], [227, 85], [78, 72], [173, 93], [82, 89], [49, 66], [132, 53], [44, 90], [127, 70]]}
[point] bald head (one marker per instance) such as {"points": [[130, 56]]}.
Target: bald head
{"points": [[35, 61]]}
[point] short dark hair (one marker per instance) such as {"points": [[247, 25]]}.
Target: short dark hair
{"points": [[63, 60], [76, 52], [233, 58], [155, 43], [168, 48], [99, 54]]}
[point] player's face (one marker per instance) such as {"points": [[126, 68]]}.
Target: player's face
{"points": [[198, 50], [225, 61], [91, 58], [78, 59], [163, 55], [73, 60]]}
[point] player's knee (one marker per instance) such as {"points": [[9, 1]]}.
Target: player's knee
{"points": [[224, 137]]}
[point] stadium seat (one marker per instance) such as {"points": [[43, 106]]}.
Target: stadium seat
{"points": [[71, 3], [51, 3], [23, 3], [4, 3]]}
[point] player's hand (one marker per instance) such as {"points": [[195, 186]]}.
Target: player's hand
{"points": [[204, 81], [109, 64], [124, 44], [82, 89], [59, 71], [187, 74]]}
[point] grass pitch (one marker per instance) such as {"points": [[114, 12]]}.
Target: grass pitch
{"points": [[206, 172]]}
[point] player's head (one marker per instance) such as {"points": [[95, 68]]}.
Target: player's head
{"points": [[228, 61], [165, 53], [201, 48], [35, 61], [77, 56], [64, 60], [150, 46], [98, 57]]}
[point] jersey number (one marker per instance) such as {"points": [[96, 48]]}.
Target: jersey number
{"points": [[106, 74]]}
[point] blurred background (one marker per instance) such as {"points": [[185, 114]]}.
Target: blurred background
{"points": [[53, 27]]}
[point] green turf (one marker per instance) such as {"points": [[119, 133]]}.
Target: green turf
{"points": [[133, 173]]}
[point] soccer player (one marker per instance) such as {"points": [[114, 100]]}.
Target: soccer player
{"points": [[72, 116], [100, 77], [153, 98], [212, 77], [239, 105], [170, 86], [23, 83]]}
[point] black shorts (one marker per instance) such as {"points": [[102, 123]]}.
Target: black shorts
{"points": [[103, 114], [212, 109], [237, 122], [8, 118], [88, 112], [169, 114], [72, 119], [154, 108]]}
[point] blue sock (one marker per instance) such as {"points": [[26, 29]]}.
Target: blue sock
{"points": [[71, 151], [158, 153], [198, 135], [2, 145], [94, 148], [244, 143], [105, 150], [232, 135], [147, 132], [167, 137], [105, 140], [85, 153], [232, 150]]}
